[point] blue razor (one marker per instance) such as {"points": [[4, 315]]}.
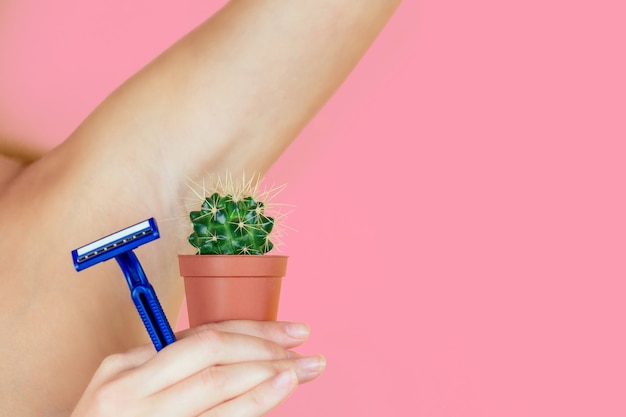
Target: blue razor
{"points": [[120, 246]]}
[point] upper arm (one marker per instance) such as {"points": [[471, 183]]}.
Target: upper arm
{"points": [[232, 94]]}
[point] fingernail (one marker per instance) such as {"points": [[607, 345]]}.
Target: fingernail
{"points": [[310, 366], [284, 380], [298, 330]]}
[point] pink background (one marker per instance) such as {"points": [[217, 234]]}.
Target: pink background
{"points": [[460, 202]]}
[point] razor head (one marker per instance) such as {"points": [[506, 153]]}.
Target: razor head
{"points": [[115, 244]]}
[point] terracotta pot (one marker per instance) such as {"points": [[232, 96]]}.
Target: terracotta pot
{"points": [[230, 287]]}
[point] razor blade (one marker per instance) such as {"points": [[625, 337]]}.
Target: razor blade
{"points": [[120, 246]]}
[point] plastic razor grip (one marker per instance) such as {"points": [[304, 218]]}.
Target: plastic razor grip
{"points": [[153, 317]]}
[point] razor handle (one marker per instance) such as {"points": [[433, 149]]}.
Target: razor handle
{"points": [[146, 301]]}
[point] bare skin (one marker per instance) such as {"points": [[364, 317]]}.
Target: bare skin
{"points": [[229, 97], [236, 368]]}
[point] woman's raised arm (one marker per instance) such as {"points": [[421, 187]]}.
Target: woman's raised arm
{"points": [[230, 96]]}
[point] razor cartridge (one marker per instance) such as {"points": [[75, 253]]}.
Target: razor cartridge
{"points": [[120, 246]]}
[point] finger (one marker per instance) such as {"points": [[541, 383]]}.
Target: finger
{"points": [[120, 362], [213, 386], [286, 334], [202, 350], [114, 365], [259, 400]]}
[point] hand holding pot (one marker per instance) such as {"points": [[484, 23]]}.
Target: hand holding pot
{"points": [[242, 368]]}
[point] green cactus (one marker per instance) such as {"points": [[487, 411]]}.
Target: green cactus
{"points": [[225, 226]]}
